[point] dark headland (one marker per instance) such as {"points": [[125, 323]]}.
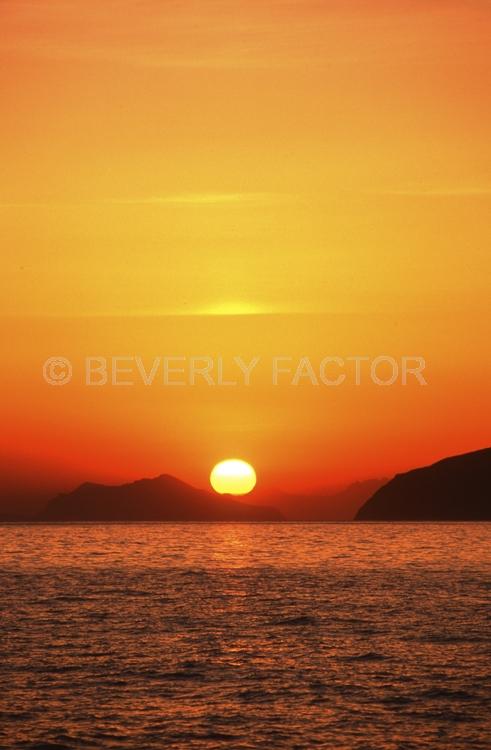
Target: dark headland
{"points": [[163, 498], [454, 489]]}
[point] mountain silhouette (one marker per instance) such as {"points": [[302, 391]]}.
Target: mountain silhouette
{"points": [[324, 505], [163, 498], [454, 489]]}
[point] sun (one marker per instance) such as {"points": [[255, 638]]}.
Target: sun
{"points": [[233, 476]]}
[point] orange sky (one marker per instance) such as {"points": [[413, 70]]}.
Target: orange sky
{"points": [[321, 168]]}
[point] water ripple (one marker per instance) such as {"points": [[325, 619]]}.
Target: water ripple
{"points": [[245, 636]]}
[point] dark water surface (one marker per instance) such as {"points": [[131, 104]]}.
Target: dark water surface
{"points": [[241, 636]]}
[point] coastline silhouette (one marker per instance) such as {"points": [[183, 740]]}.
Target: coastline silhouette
{"points": [[453, 489], [163, 498]]}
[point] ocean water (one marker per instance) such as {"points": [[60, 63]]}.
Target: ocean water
{"points": [[242, 636]]}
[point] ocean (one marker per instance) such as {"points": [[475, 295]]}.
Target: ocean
{"points": [[239, 636]]}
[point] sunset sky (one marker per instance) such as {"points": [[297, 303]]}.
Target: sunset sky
{"points": [[256, 178]]}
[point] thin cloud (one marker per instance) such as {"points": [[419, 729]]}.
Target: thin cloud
{"points": [[198, 199], [212, 35], [179, 199], [421, 191]]}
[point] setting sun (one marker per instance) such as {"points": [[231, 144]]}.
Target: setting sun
{"points": [[245, 457], [233, 477]]}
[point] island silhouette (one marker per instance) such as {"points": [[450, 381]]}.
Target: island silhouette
{"points": [[163, 498], [453, 489]]}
